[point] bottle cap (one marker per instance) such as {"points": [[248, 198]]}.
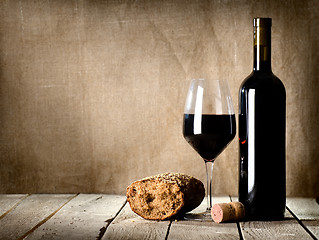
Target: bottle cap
{"points": [[262, 22]]}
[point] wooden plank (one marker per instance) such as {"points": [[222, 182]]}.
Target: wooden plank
{"points": [[288, 228], [304, 208], [9, 201], [84, 217], [30, 213], [307, 211], [185, 229], [128, 225]]}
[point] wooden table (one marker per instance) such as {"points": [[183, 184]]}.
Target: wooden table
{"points": [[98, 216]]}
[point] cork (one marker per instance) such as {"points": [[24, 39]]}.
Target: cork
{"points": [[228, 212]]}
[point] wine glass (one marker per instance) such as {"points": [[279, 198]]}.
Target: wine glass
{"points": [[209, 126]]}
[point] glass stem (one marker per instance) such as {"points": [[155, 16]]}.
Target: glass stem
{"points": [[209, 187]]}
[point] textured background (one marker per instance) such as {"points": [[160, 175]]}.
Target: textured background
{"points": [[92, 92]]}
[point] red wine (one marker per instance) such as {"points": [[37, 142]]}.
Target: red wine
{"points": [[209, 134], [262, 126]]}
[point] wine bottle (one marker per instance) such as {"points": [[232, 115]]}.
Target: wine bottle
{"points": [[262, 133]]}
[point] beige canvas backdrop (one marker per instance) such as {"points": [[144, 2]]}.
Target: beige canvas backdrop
{"points": [[92, 92]]}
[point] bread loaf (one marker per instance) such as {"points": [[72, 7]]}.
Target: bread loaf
{"points": [[165, 195]]}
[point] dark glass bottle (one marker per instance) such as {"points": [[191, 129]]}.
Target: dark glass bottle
{"points": [[262, 133]]}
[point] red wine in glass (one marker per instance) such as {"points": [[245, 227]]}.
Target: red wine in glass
{"points": [[217, 131], [209, 125]]}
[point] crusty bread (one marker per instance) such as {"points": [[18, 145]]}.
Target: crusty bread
{"points": [[162, 196]]}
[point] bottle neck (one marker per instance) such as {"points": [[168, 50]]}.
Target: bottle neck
{"points": [[262, 48]]}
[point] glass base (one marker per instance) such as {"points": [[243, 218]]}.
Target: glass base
{"points": [[201, 217]]}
